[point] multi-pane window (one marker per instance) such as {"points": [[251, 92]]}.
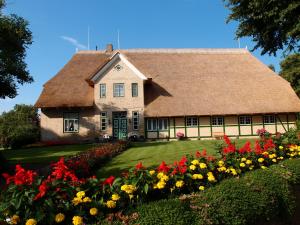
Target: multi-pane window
{"points": [[191, 121], [245, 120], [71, 122], [269, 119], [217, 120], [102, 90], [134, 89], [152, 124], [163, 124], [119, 90], [103, 121], [135, 120]]}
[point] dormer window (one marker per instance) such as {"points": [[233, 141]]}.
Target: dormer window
{"points": [[118, 67]]}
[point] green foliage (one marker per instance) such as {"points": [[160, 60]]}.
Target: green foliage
{"points": [[12, 53], [289, 137], [19, 126], [293, 168], [290, 70], [165, 212], [272, 24]]}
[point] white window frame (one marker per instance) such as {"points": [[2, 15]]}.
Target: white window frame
{"points": [[71, 119], [150, 124], [245, 120], [117, 91], [103, 121], [136, 89], [135, 120], [102, 90], [162, 124], [191, 121], [217, 121], [269, 119]]}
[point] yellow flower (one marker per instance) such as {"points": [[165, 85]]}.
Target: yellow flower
{"points": [[160, 175], [93, 211], [152, 172], [260, 160], [111, 204], [203, 165], [86, 200], [201, 188], [263, 167], [233, 172], [221, 163], [280, 147], [210, 177], [195, 162], [248, 162], [128, 188], [222, 168], [274, 160], [179, 183], [265, 153], [242, 164], [161, 184], [15, 219], [243, 159], [59, 218], [115, 197], [31, 222], [77, 220], [164, 178], [192, 167], [172, 189], [80, 194], [197, 176], [131, 196], [76, 201], [251, 167]]}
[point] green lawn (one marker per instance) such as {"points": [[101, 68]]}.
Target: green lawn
{"points": [[152, 153], [42, 155]]}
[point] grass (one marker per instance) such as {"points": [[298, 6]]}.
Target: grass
{"points": [[153, 153], [42, 155]]}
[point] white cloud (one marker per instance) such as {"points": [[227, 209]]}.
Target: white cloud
{"points": [[74, 42]]}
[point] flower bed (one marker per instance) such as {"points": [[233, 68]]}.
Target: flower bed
{"points": [[64, 198]]}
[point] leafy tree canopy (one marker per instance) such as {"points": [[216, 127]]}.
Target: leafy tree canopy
{"points": [[272, 24], [15, 37], [290, 70]]}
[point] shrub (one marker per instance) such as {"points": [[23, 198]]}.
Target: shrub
{"points": [[289, 137], [165, 212]]}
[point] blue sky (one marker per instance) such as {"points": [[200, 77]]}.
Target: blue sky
{"points": [[60, 26]]}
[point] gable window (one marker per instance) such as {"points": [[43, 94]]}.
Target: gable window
{"points": [[103, 121], [135, 120], [119, 90], [191, 121], [163, 124], [71, 122], [151, 124], [134, 89], [102, 90], [244, 120], [269, 119], [217, 120]]}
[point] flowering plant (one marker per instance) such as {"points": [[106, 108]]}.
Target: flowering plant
{"points": [[263, 133], [180, 135]]}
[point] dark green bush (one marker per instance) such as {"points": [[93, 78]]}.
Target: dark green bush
{"points": [[289, 137], [293, 166], [165, 212]]}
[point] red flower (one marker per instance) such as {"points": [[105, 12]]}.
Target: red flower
{"points": [[246, 148], [204, 152], [109, 180], [198, 154], [139, 166], [21, 177], [258, 150], [163, 167], [269, 144], [230, 147], [183, 161], [42, 190]]}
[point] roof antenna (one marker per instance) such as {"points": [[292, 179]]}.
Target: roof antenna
{"points": [[118, 39], [88, 45]]}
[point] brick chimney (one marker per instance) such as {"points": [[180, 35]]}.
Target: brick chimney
{"points": [[109, 48]]}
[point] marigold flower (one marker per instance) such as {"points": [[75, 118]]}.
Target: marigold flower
{"points": [[251, 167], [164, 178], [80, 194], [93, 211], [221, 169], [152, 172], [31, 222], [161, 184], [179, 183], [274, 160], [242, 164], [128, 188], [280, 147], [260, 160], [197, 176], [210, 177], [263, 167], [115, 197], [233, 172], [15, 219], [195, 162], [192, 167], [203, 165], [77, 220], [243, 159], [248, 162], [160, 175], [221, 163], [76, 201], [59, 218], [87, 199], [201, 188], [111, 204]]}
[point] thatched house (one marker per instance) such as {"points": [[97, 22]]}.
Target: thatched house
{"points": [[157, 93]]}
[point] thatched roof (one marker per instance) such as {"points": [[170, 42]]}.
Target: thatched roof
{"points": [[184, 82]]}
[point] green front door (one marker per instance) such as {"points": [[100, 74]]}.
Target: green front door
{"points": [[120, 126]]}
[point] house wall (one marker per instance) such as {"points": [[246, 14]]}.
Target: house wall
{"points": [[231, 127], [112, 104]]}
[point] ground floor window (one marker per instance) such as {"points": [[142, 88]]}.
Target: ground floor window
{"points": [[157, 124], [163, 124], [71, 122], [217, 120], [191, 121], [269, 119], [152, 124], [135, 120], [244, 120], [103, 121]]}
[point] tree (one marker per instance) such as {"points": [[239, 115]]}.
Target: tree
{"points": [[19, 126], [272, 24], [290, 70], [15, 37]]}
